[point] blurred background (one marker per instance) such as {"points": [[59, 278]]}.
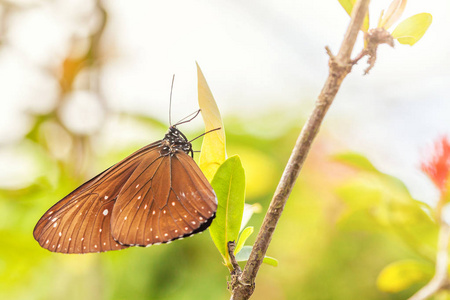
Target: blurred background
{"points": [[83, 83]]}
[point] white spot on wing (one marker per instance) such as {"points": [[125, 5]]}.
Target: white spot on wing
{"points": [[106, 197], [105, 212], [137, 185], [60, 233], [54, 225], [139, 197], [145, 206]]}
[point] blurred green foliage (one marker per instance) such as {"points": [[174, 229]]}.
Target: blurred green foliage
{"points": [[338, 232]]}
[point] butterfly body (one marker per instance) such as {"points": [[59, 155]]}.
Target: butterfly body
{"points": [[156, 195]]}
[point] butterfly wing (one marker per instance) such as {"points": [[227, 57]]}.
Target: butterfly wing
{"points": [[80, 222], [165, 199]]}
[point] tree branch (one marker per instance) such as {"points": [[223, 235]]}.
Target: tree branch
{"points": [[339, 66]]}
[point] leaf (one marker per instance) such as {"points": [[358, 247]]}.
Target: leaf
{"points": [[244, 254], [229, 185], [393, 13], [400, 275], [348, 6], [249, 210], [376, 201], [213, 152], [355, 160], [243, 238], [411, 30]]}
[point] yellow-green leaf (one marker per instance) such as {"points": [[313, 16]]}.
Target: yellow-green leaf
{"points": [[393, 13], [213, 148], [411, 30], [355, 160], [243, 238], [229, 185], [400, 275], [348, 6]]}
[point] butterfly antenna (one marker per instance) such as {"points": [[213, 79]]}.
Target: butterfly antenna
{"points": [[195, 114], [170, 101], [205, 133]]}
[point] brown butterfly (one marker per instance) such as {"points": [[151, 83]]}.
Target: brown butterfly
{"points": [[156, 195]]}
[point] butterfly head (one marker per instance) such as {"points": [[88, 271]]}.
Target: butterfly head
{"points": [[175, 141]]}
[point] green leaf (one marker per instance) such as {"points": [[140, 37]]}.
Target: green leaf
{"points": [[400, 275], [244, 254], [411, 30], [355, 160], [348, 6], [376, 201], [229, 185], [213, 152], [243, 238]]}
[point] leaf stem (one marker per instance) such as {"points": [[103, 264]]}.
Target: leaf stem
{"points": [[440, 279], [339, 66]]}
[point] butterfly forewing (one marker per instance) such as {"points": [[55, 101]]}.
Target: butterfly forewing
{"points": [[137, 199], [164, 201]]}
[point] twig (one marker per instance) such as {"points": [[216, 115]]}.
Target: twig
{"points": [[340, 66], [236, 268]]}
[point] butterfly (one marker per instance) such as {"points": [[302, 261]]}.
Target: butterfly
{"points": [[156, 195]]}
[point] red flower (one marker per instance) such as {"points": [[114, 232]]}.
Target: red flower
{"points": [[438, 166]]}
